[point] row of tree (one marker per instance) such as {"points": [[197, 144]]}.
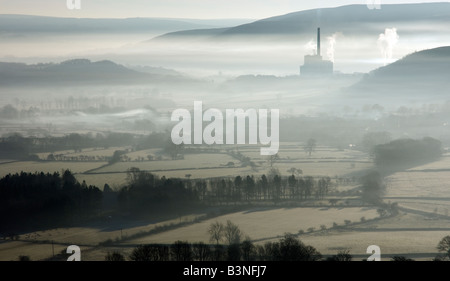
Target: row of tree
{"points": [[288, 248], [40, 197], [146, 191], [272, 187]]}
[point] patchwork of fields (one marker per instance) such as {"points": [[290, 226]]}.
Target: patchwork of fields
{"points": [[422, 193]]}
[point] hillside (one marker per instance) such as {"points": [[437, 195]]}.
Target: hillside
{"points": [[73, 72], [24, 24], [424, 72], [354, 19]]}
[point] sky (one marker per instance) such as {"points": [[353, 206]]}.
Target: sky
{"points": [[198, 9]]}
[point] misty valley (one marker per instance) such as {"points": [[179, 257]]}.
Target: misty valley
{"points": [[228, 141]]}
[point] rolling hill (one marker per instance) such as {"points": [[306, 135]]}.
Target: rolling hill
{"points": [[420, 73], [75, 72], [26, 24], [354, 19]]}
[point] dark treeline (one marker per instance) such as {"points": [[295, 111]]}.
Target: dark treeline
{"points": [[272, 187], [45, 199], [52, 199], [146, 191], [18, 147], [289, 248], [407, 151]]}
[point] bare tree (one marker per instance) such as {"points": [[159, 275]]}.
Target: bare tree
{"points": [[216, 232], [272, 159], [444, 245], [232, 233]]}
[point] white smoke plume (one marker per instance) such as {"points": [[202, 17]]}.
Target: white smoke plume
{"points": [[387, 42], [311, 47], [331, 43]]}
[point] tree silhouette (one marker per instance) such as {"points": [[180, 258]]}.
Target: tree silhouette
{"points": [[373, 188], [247, 249], [216, 232], [150, 252], [272, 159], [114, 256], [234, 252], [232, 233], [401, 259], [444, 245], [343, 255], [310, 146], [292, 249], [181, 251], [201, 251]]}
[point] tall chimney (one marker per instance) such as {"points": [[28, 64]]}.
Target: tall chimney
{"points": [[318, 41]]}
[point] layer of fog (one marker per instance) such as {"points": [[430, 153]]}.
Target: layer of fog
{"points": [[218, 62]]}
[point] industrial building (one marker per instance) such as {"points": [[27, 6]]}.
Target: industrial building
{"points": [[314, 65]]}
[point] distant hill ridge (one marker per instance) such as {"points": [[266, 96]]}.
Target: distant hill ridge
{"points": [[75, 71], [349, 18]]}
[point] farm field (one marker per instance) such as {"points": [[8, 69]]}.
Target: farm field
{"points": [[47, 167], [265, 224], [441, 164], [38, 244], [420, 187], [418, 184], [190, 161], [411, 235], [297, 153], [208, 172], [144, 153], [93, 151], [323, 162], [421, 192]]}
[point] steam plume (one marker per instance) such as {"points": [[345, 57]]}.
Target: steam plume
{"points": [[331, 43], [387, 42]]}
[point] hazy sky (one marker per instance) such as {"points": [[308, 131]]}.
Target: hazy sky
{"points": [[206, 9]]}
